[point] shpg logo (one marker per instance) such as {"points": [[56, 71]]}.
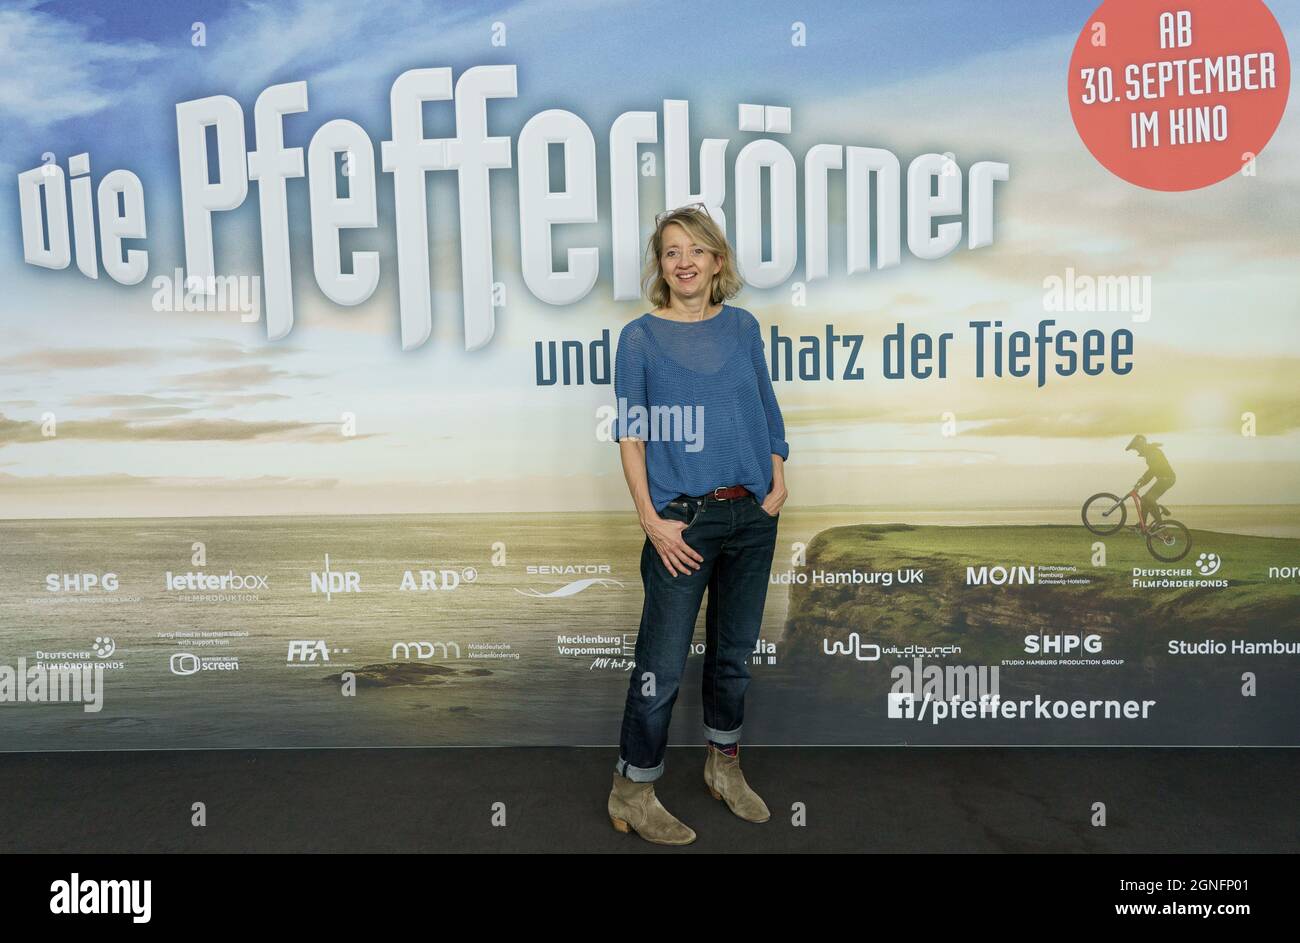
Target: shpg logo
{"points": [[80, 582], [76, 896], [1062, 644], [330, 581], [310, 653], [1207, 564]]}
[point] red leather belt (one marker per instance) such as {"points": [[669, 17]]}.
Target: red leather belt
{"points": [[729, 493]]}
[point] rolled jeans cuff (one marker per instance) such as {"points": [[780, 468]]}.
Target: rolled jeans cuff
{"points": [[724, 737], [636, 773]]}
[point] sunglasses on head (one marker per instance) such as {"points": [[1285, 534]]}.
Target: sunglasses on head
{"points": [[692, 207]]}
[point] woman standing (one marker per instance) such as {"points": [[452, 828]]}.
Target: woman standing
{"points": [[702, 443]]}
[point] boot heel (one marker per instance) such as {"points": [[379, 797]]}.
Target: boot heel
{"points": [[620, 825]]}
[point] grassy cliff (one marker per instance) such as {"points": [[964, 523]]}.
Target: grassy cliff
{"points": [[991, 621]]}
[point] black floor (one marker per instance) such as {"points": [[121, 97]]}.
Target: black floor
{"points": [[553, 799]]}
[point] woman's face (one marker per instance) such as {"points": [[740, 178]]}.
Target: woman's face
{"points": [[687, 268]]}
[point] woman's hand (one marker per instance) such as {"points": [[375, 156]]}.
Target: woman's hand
{"points": [[775, 498], [678, 556]]}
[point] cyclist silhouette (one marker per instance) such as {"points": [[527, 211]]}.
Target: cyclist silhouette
{"points": [[1158, 467]]}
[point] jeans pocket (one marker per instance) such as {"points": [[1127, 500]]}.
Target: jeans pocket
{"points": [[763, 511], [687, 512]]}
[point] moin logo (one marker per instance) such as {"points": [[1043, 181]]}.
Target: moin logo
{"points": [[1000, 576]]}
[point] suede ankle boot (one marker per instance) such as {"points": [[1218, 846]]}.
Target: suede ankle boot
{"points": [[634, 806], [725, 781]]}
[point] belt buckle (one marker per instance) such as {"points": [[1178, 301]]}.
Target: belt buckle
{"points": [[718, 497]]}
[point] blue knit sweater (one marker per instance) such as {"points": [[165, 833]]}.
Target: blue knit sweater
{"points": [[699, 394]]}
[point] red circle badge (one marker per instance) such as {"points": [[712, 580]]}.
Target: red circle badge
{"points": [[1178, 94]]}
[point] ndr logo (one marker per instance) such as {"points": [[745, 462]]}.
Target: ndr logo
{"points": [[330, 581], [1000, 576]]}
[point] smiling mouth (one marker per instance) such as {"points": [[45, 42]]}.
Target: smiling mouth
{"points": [[689, 277]]}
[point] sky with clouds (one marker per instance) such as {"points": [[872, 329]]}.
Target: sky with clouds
{"points": [[180, 413]]}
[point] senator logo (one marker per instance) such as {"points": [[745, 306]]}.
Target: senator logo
{"points": [[310, 652], [568, 589], [424, 650], [1000, 576], [436, 580], [81, 582], [594, 574], [567, 569], [329, 581]]}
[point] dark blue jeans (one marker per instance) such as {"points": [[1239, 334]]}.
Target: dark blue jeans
{"points": [[736, 538]]}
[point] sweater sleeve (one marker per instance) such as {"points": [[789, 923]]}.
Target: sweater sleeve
{"points": [[629, 384], [775, 422]]}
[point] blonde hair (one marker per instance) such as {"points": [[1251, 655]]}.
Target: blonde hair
{"points": [[703, 231]]}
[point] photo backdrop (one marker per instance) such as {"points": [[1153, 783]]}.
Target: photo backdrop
{"points": [[310, 312]]}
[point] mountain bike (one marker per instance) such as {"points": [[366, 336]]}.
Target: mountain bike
{"points": [[1167, 541]]}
